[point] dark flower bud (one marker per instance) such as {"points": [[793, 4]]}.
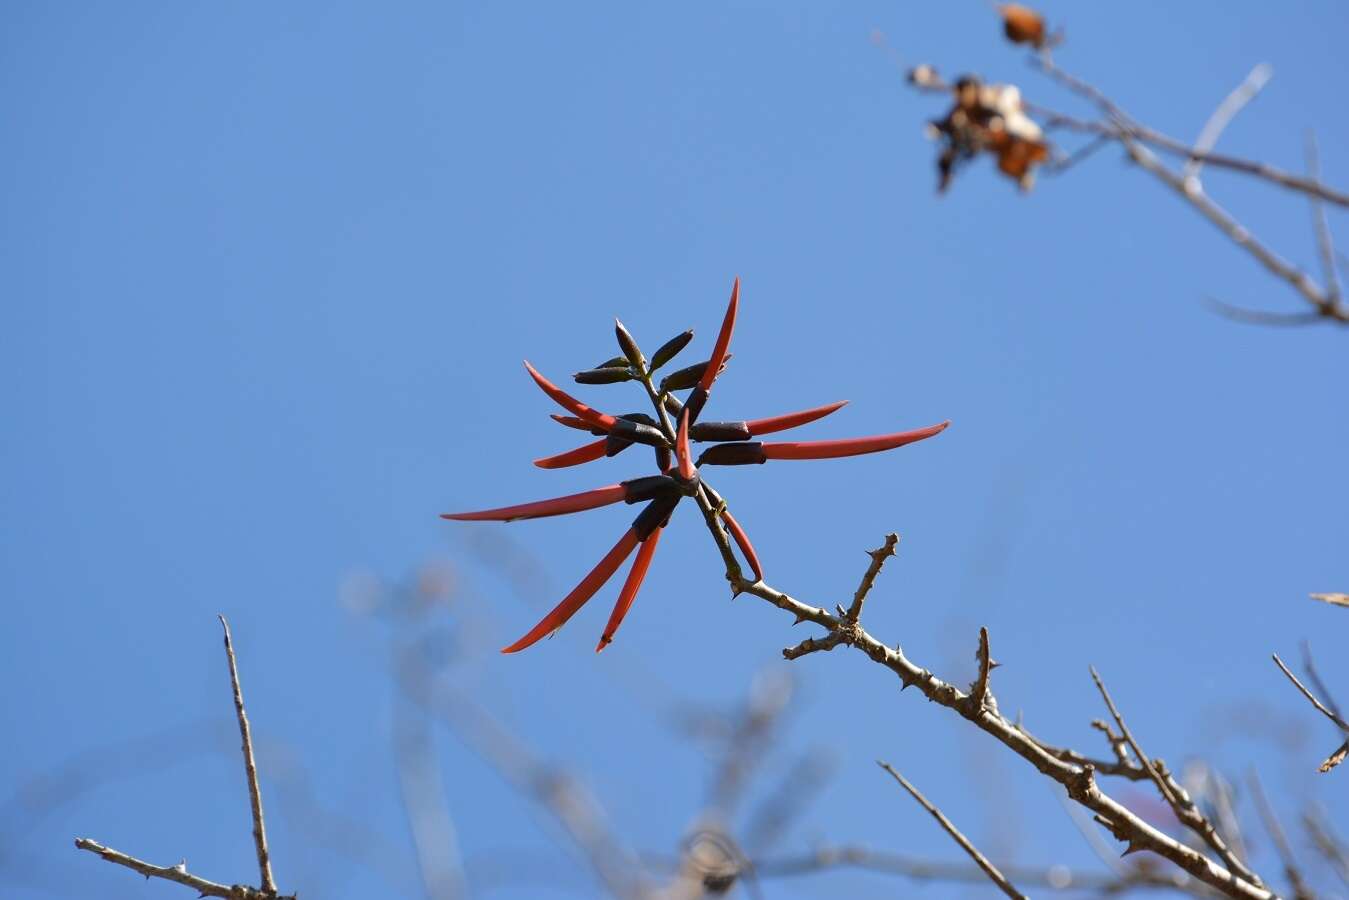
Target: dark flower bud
{"points": [[615, 362], [733, 455], [720, 431], [656, 514], [670, 349], [614, 445], [638, 432], [685, 378], [631, 352], [603, 376], [648, 488], [664, 458]]}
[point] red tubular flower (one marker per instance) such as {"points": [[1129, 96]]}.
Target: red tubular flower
{"points": [[570, 403], [579, 594], [539, 509], [573, 422], [698, 398], [630, 588], [732, 444], [742, 541], [849, 446], [759, 427], [723, 339], [685, 462], [583, 454]]}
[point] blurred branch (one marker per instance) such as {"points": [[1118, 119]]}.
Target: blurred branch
{"points": [[1291, 869], [979, 859], [250, 770]]}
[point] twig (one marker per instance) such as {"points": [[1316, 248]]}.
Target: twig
{"points": [[1290, 867], [434, 837], [979, 693], [1332, 599], [1232, 104], [1342, 751], [176, 873], [878, 558], [1175, 796], [268, 886], [1325, 305], [989, 869], [1058, 878], [1121, 125], [1325, 241], [1314, 677]]}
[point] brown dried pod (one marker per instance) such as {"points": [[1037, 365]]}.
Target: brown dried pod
{"points": [[1022, 25], [720, 431]]}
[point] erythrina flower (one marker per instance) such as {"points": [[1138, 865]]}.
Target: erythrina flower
{"points": [[678, 473]]}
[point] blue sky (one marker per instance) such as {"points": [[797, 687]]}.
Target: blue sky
{"points": [[268, 275]]}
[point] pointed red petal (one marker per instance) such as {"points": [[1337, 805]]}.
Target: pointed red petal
{"points": [[571, 422], [682, 448], [583, 454], [742, 541], [579, 594], [791, 420], [555, 507], [723, 339], [630, 587], [848, 446], [570, 403]]}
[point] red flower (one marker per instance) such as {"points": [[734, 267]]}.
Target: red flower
{"points": [[678, 474]]}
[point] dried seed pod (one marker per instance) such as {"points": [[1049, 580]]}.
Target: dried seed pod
{"points": [[668, 350], [750, 454], [1022, 25], [631, 352], [720, 431], [612, 375]]}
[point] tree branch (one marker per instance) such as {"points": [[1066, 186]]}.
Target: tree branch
{"points": [[980, 860]]}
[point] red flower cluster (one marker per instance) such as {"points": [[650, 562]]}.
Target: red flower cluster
{"points": [[678, 473]]}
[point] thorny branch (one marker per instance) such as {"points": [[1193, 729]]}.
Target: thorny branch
{"points": [[980, 860], [1076, 777], [179, 872], [250, 770]]}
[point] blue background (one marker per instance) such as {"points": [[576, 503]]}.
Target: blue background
{"points": [[268, 272]]}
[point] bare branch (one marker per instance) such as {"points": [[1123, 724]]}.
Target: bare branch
{"points": [[1340, 752], [979, 694], [250, 769], [1325, 241], [1057, 877], [1309, 666], [1326, 305], [878, 558], [1232, 104], [176, 873], [1327, 843], [1290, 867], [1176, 797], [982, 861], [1332, 599]]}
